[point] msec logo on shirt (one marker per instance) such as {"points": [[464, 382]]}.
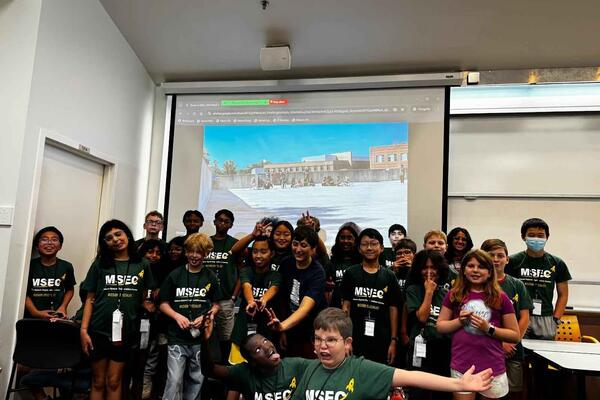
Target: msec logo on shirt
{"points": [[478, 307]]}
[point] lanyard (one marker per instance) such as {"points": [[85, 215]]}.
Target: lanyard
{"points": [[54, 295], [120, 288], [326, 380], [190, 295]]}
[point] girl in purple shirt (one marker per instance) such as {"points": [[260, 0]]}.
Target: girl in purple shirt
{"points": [[480, 317]]}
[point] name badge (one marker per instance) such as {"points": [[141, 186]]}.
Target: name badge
{"points": [[144, 333], [252, 327], [195, 332], [420, 346], [537, 307], [369, 327], [117, 326]]}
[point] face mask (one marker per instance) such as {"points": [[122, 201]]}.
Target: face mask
{"points": [[535, 244]]}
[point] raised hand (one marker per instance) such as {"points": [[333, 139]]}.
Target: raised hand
{"points": [[274, 322], [429, 285]]}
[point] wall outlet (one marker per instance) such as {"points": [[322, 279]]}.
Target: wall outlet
{"points": [[6, 215]]}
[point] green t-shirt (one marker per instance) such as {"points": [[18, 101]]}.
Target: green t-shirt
{"points": [[279, 386], [190, 294], [261, 282], [46, 286], [415, 294], [357, 378], [539, 275], [517, 293], [387, 257], [223, 264], [371, 296], [125, 283]]}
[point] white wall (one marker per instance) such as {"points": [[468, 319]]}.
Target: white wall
{"points": [[88, 86]]}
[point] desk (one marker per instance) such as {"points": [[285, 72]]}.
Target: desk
{"points": [[580, 359]]}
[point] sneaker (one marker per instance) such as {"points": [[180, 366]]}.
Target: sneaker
{"points": [[147, 389]]}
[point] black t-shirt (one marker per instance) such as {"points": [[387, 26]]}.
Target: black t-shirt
{"points": [[223, 264], [299, 283], [46, 285], [371, 295], [190, 294], [387, 257]]}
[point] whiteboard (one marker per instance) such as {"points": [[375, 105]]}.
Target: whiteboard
{"points": [[513, 168], [525, 154]]}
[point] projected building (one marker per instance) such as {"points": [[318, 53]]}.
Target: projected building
{"points": [[324, 162], [391, 156]]}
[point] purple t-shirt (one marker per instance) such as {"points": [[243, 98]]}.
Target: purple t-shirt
{"points": [[470, 346]]}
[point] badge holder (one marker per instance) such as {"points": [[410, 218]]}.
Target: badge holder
{"points": [[420, 350], [117, 327], [537, 307], [252, 328], [369, 327], [144, 333]]}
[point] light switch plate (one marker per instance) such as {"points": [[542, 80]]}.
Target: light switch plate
{"points": [[6, 215]]}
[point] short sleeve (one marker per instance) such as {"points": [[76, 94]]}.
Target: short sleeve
{"points": [[316, 285], [348, 284], [166, 290], [413, 298], [91, 279], [562, 271], [246, 275], [216, 293], [70, 281], [507, 306], [393, 288], [149, 281], [378, 376], [275, 279], [446, 302]]}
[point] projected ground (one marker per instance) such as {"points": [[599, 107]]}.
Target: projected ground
{"points": [[339, 172]]}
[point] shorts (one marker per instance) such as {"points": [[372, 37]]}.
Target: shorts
{"points": [[105, 349], [541, 327], [514, 372], [224, 320], [499, 385]]}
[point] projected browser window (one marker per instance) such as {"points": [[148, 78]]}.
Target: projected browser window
{"points": [[343, 156]]}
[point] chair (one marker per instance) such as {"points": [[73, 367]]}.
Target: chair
{"points": [[46, 345], [568, 330]]}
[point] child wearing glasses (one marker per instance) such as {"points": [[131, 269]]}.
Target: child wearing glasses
{"points": [[51, 280], [336, 375], [370, 295]]}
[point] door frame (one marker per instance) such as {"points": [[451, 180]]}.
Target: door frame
{"points": [[48, 137]]}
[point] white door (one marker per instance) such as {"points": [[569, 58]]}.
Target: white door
{"points": [[69, 198]]}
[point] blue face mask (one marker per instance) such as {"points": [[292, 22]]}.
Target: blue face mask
{"points": [[535, 244]]}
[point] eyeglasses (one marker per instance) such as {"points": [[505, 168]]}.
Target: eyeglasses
{"points": [[114, 235], [329, 341], [50, 240], [404, 253], [366, 245], [149, 222]]}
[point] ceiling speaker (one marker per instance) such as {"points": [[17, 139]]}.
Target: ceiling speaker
{"points": [[275, 58]]}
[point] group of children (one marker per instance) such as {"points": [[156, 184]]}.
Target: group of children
{"points": [[361, 310]]}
